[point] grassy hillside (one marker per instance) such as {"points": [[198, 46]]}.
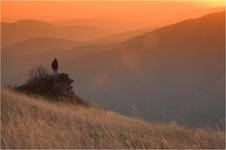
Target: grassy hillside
{"points": [[31, 123]]}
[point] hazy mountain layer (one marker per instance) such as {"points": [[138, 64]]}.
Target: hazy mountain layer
{"points": [[26, 29]]}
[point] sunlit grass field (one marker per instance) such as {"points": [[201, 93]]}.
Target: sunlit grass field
{"points": [[28, 122]]}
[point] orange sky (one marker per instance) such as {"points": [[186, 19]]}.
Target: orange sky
{"points": [[139, 13]]}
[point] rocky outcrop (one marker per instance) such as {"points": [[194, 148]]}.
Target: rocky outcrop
{"points": [[56, 87]]}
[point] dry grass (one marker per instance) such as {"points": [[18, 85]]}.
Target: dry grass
{"points": [[31, 123]]}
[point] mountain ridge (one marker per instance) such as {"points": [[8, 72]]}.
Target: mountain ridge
{"points": [[48, 43], [25, 29]]}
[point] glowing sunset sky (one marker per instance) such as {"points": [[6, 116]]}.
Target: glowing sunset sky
{"points": [[144, 13]]}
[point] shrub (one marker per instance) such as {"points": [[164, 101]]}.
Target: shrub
{"points": [[38, 72]]}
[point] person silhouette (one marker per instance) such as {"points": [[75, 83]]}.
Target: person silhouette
{"points": [[55, 66]]}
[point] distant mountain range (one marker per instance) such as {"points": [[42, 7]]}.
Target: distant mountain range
{"points": [[29, 30], [107, 24], [42, 44], [174, 73], [25, 29]]}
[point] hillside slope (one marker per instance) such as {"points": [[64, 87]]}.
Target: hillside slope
{"points": [[35, 123]]}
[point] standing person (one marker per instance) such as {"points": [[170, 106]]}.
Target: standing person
{"points": [[55, 66]]}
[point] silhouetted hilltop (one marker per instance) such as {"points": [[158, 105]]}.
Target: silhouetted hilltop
{"points": [[57, 87]]}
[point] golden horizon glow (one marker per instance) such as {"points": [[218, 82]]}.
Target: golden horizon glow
{"points": [[213, 3], [133, 13]]}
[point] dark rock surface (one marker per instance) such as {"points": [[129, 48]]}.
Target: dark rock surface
{"points": [[56, 87]]}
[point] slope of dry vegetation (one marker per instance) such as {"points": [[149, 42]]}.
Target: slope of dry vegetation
{"points": [[31, 123]]}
